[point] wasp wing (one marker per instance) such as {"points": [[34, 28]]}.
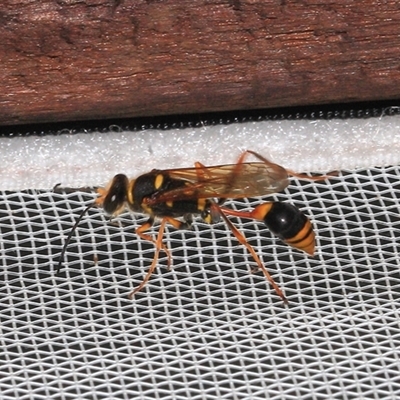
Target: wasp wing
{"points": [[224, 181]]}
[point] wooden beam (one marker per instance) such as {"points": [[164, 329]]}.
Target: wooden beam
{"points": [[92, 59]]}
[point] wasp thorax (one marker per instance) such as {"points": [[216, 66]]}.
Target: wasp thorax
{"points": [[115, 198]]}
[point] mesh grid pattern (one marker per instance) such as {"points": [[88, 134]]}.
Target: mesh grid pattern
{"points": [[206, 329]]}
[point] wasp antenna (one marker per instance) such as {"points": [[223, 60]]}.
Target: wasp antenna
{"points": [[56, 187], [64, 249]]}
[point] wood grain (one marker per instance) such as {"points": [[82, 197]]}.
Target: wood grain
{"points": [[77, 59]]}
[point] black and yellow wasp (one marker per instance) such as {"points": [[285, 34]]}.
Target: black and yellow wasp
{"points": [[174, 195]]}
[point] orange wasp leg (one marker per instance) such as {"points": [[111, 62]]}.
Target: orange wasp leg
{"points": [[253, 214], [242, 240], [302, 239], [239, 166], [145, 227], [201, 171], [245, 154], [290, 172], [203, 174], [159, 246]]}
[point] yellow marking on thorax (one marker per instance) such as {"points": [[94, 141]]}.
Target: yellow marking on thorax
{"points": [[201, 204], [208, 219], [169, 203], [158, 181], [146, 209], [129, 194]]}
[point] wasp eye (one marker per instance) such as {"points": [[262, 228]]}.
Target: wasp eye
{"points": [[116, 196]]}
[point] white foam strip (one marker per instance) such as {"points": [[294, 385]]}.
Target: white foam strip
{"points": [[93, 159]]}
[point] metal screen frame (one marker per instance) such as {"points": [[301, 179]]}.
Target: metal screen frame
{"points": [[207, 328]]}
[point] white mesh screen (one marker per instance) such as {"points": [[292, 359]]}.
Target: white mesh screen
{"points": [[206, 329]]}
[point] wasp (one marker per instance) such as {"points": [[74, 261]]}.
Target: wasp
{"points": [[173, 196]]}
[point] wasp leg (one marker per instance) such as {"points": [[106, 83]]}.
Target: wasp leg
{"points": [[201, 171], [145, 227], [159, 243], [159, 246], [186, 224], [240, 162], [242, 240], [285, 221], [290, 172], [203, 175]]}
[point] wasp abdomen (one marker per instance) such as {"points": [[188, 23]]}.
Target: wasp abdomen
{"points": [[289, 224]]}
